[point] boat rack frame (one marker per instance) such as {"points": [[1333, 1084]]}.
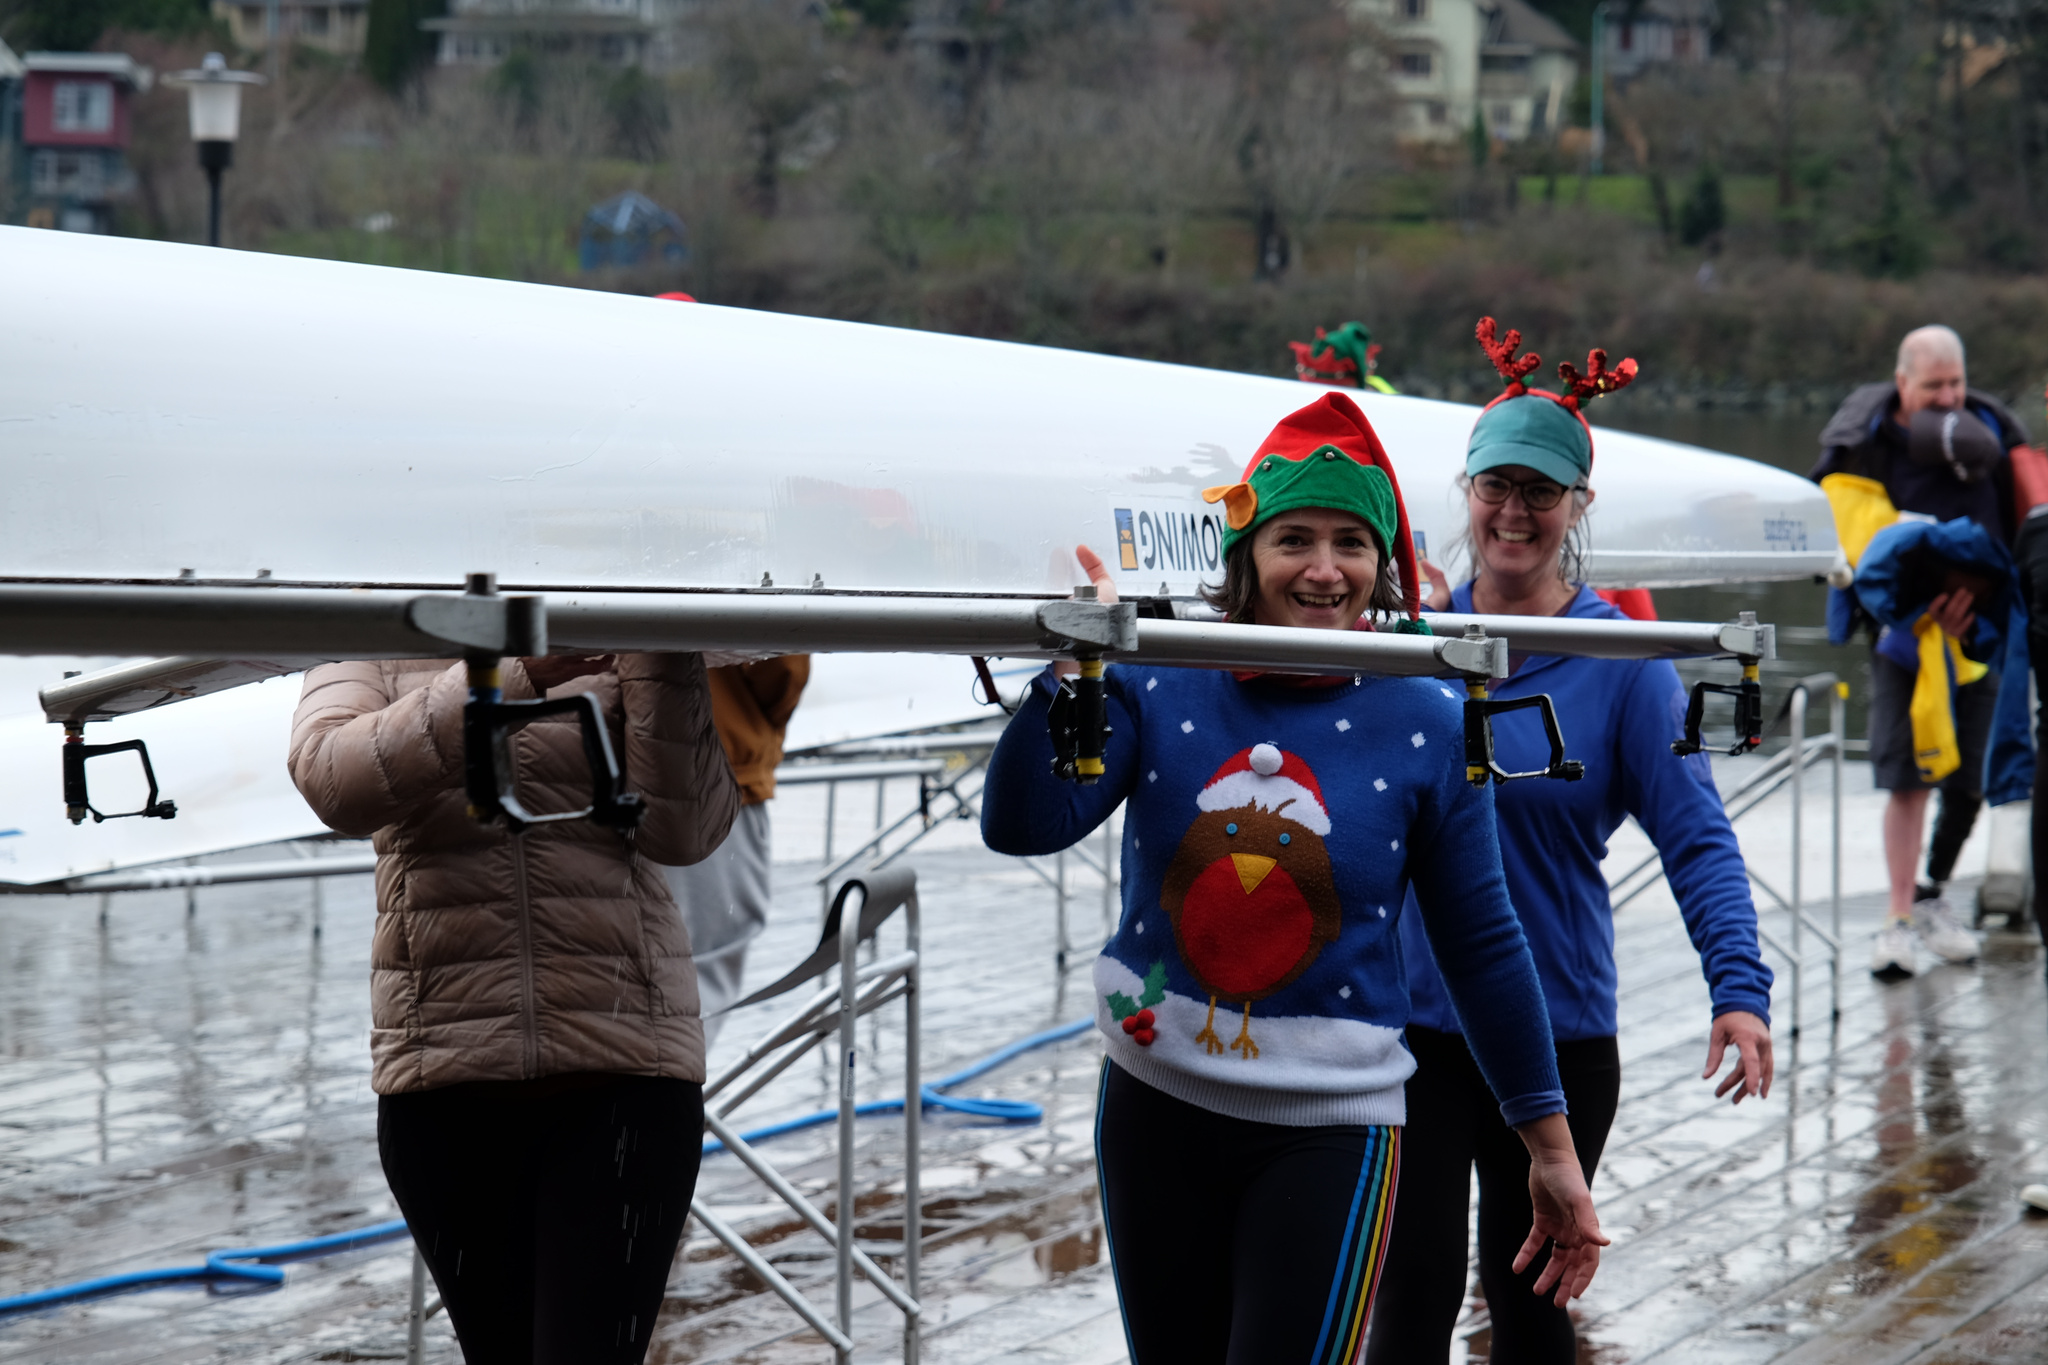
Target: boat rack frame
{"points": [[1785, 768]]}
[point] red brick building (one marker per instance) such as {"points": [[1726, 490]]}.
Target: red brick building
{"points": [[71, 129]]}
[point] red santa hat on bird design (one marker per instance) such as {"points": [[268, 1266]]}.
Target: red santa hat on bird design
{"points": [[1272, 779]]}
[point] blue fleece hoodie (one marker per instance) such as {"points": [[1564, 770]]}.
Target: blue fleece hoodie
{"points": [[1897, 578], [1619, 717], [1270, 840]]}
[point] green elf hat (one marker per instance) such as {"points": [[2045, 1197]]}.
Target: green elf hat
{"points": [[1544, 431], [1325, 455]]}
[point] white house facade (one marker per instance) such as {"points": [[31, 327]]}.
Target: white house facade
{"points": [[1451, 61]]}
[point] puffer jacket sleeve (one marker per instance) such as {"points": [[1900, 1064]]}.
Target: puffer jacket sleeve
{"points": [[673, 757], [363, 760]]}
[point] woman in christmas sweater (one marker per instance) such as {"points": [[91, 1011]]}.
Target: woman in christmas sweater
{"points": [[1254, 994], [1528, 462]]}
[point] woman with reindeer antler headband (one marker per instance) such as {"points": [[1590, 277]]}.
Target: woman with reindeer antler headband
{"points": [[1527, 488]]}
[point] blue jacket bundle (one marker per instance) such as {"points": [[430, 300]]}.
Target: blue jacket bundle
{"points": [[1272, 833], [1902, 569], [1619, 717]]}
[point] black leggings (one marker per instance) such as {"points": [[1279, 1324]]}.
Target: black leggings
{"points": [[1235, 1242], [549, 1211], [1958, 809], [1454, 1123]]}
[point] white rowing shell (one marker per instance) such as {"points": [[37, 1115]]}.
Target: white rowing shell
{"points": [[167, 408]]}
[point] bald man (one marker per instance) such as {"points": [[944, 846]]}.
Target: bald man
{"points": [[1967, 472]]}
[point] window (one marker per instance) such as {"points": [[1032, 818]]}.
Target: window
{"points": [[313, 19], [1414, 9], [254, 18], [1439, 113], [1503, 117], [1414, 64], [73, 174], [83, 107], [1510, 62]]}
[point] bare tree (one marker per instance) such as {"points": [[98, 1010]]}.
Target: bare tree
{"points": [[778, 64], [1290, 64]]}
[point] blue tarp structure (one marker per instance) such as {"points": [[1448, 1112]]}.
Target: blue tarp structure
{"points": [[631, 229]]}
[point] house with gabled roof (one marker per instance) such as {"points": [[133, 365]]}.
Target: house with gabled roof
{"points": [[68, 131], [1451, 61]]}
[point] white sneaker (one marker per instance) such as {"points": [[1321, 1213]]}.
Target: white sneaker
{"points": [[1944, 935], [1892, 958]]}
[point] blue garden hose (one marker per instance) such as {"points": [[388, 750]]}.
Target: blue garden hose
{"points": [[220, 1265], [247, 1264], [1009, 1111]]}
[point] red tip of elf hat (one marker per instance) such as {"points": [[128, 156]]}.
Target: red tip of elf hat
{"points": [[1332, 420]]}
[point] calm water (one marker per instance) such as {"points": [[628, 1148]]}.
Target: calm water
{"points": [[1789, 441]]}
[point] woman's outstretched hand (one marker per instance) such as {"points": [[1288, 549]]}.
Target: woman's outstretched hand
{"points": [[1105, 591], [1436, 592], [1750, 1037], [1565, 1220]]}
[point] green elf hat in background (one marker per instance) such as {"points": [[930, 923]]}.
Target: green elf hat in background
{"points": [[1543, 431], [1325, 455]]}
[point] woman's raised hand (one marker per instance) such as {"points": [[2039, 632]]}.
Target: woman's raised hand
{"points": [[1565, 1220], [555, 669], [1436, 595], [1105, 591], [1098, 573]]}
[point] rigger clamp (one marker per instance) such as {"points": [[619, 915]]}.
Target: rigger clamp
{"points": [[1481, 766], [490, 778], [1749, 714], [78, 800], [1078, 720], [1750, 643]]}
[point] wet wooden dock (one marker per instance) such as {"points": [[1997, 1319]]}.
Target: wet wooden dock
{"points": [[171, 1084]]}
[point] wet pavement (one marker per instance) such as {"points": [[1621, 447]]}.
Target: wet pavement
{"points": [[172, 1083]]}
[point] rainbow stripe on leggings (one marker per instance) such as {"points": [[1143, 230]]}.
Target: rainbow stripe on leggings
{"points": [[1364, 1251]]}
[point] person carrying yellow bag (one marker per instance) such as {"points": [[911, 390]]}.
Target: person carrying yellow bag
{"points": [[1934, 655], [1924, 447]]}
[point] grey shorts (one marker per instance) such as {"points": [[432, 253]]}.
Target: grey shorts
{"points": [[1891, 730]]}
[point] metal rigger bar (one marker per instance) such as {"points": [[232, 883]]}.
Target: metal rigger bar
{"points": [[481, 625]]}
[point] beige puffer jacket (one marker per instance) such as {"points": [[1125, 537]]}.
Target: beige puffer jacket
{"points": [[507, 958]]}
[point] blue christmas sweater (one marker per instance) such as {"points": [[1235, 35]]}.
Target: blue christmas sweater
{"points": [[1272, 834]]}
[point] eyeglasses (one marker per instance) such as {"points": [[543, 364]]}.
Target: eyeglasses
{"points": [[1538, 495]]}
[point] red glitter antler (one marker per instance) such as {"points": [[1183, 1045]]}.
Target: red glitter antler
{"points": [[1581, 389], [1502, 354]]}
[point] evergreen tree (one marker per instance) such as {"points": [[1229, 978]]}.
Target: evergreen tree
{"points": [[1703, 213], [395, 47]]}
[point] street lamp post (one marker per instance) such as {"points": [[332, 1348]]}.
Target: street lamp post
{"points": [[1599, 91], [215, 95]]}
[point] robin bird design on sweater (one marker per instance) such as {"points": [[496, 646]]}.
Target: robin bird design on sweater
{"points": [[1250, 893]]}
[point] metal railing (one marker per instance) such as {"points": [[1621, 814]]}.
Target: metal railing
{"points": [[958, 787], [1788, 768]]}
